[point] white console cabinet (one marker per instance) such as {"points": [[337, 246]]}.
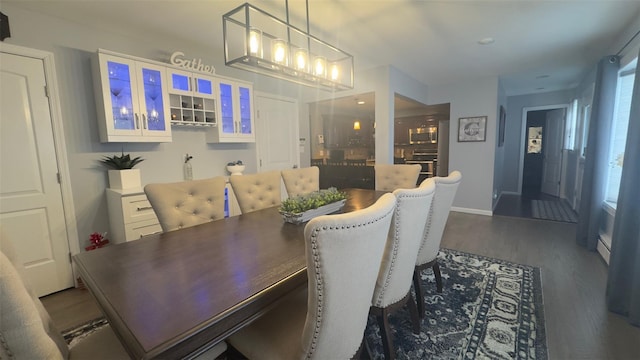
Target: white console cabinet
{"points": [[130, 214]]}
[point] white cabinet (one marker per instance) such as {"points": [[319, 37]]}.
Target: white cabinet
{"points": [[132, 100], [192, 98], [130, 215], [236, 118]]}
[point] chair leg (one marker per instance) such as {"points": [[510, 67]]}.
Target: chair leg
{"points": [[419, 294], [385, 333], [436, 272], [413, 310]]}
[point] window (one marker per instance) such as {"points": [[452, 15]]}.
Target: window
{"points": [[619, 134]]}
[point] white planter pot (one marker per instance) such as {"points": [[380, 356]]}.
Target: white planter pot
{"points": [[310, 214], [124, 179], [235, 169]]}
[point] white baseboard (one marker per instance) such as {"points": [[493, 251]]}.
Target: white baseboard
{"points": [[602, 248], [472, 211]]}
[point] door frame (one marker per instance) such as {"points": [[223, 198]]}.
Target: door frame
{"points": [[58, 141], [523, 134]]}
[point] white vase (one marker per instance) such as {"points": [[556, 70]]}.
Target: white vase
{"points": [[124, 179], [235, 169]]}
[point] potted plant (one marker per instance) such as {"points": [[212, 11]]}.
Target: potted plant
{"points": [[235, 167], [303, 208], [122, 175]]}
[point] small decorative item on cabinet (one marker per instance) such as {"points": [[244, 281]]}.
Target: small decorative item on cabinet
{"points": [[300, 209], [235, 167], [122, 175], [97, 241]]}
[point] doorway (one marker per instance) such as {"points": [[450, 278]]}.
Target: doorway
{"points": [[541, 159]]}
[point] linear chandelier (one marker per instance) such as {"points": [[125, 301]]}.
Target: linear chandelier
{"points": [[259, 42]]}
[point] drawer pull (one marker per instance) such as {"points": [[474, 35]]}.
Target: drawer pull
{"points": [[143, 208]]}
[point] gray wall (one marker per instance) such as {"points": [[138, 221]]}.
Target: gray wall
{"points": [[475, 160], [72, 46]]}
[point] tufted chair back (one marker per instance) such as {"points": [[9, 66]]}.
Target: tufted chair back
{"points": [[446, 188], [396, 176], [301, 181], [257, 191], [401, 250], [343, 258], [187, 203]]}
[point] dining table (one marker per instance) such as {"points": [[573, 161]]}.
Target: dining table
{"points": [[175, 294]]}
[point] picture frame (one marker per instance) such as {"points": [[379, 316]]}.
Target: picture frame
{"points": [[472, 129], [502, 124]]}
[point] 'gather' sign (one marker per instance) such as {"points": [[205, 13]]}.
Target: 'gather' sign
{"points": [[177, 58]]}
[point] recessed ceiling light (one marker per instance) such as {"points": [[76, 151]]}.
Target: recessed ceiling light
{"points": [[360, 102], [540, 88], [486, 41], [542, 76]]}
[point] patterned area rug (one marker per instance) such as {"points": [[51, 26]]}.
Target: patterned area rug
{"points": [[75, 335], [553, 210], [489, 309]]}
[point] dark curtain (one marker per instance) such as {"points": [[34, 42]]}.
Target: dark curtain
{"points": [[623, 285], [594, 179]]}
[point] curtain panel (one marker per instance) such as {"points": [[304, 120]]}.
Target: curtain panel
{"points": [[594, 179], [623, 284]]}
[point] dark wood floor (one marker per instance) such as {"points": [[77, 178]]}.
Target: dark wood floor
{"points": [[578, 325]]}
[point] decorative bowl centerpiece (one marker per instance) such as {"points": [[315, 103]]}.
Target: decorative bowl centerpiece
{"points": [[300, 209]]}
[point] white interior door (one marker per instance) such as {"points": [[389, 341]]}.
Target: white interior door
{"points": [[552, 162], [31, 208], [277, 135]]}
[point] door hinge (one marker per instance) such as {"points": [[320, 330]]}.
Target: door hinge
{"points": [[258, 114], [70, 261], [260, 162], [59, 178], [46, 91]]}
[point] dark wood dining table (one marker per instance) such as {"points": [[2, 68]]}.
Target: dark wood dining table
{"points": [[171, 295]]}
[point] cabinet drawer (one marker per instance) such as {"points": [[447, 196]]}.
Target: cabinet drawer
{"points": [[135, 231], [137, 208]]}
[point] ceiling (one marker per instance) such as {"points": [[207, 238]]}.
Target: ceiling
{"points": [[539, 46]]}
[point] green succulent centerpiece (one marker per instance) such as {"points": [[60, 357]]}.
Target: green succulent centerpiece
{"points": [[121, 162], [303, 208]]}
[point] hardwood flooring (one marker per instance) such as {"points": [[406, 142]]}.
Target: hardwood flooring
{"points": [[578, 324]]}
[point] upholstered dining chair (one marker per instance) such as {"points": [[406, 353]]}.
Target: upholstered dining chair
{"points": [[26, 328], [257, 191], [446, 188], [187, 203], [327, 318], [301, 181], [396, 176], [393, 287]]}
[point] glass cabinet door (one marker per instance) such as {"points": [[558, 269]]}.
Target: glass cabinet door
{"points": [[204, 87], [153, 100], [226, 109], [120, 87], [245, 110]]}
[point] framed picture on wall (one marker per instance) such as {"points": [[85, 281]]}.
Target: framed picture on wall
{"points": [[472, 129], [503, 120]]}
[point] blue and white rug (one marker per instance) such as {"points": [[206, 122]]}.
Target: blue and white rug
{"points": [[489, 309]]}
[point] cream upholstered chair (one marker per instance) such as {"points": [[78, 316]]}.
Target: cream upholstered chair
{"points": [[327, 321], [393, 287], [257, 191], [301, 181], [446, 188], [396, 176], [25, 326], [187, 203]]}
